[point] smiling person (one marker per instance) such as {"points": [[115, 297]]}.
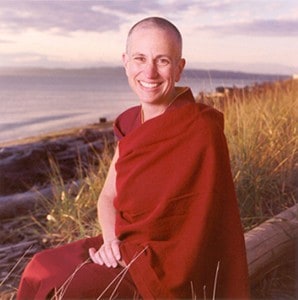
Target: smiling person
{"points": [[168, 211]]}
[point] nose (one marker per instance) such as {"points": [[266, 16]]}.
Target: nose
{"points": [[150, 69]]}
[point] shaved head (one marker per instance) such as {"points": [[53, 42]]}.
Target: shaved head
{"points": [[160, 23]]}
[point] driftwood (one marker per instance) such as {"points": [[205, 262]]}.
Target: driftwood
{"points": [[28, 165], [20, 238], [269, 242], [26, 168], [20, 204]]}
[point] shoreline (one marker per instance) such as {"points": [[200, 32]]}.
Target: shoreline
{"points": [[51, 135]]}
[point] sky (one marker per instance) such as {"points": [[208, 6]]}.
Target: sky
{"points": [[239, 35]]}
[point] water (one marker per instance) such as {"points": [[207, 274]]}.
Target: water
{"points": [[36, 101]]}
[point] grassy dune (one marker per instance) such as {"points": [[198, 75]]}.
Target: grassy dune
{"points": [[261, 129]]}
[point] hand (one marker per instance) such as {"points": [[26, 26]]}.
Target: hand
{"points": [[108, 254]]}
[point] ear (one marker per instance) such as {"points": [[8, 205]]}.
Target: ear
{"points": [[180, 67], [125, 61]]}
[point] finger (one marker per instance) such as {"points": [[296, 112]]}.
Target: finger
{"points": [[95, 256], [116, 249], [91, 254], [106, 255]]}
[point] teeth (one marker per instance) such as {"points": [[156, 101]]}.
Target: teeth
{"points": [[148, 84]]}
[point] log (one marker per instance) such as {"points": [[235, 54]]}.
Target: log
{"points": [[25, 167], [21, 203], [269, 242]]}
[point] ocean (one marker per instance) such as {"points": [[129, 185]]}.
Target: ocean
{"points": [[35, 101]]}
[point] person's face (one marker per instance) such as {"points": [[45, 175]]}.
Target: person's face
{"points": [[153, 64]]}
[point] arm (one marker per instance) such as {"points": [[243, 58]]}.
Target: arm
{"points": [[108, 254]]}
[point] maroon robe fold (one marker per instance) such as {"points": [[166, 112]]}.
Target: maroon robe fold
{"points": [[177, 212], [66, 272]]}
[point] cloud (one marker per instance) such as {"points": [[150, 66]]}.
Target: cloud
{"points": [[35, 59], [280, 28], [87, 15], [91, 15], [22, 59], [271, 28], [2, 41], [46, 32], [62, 15]]}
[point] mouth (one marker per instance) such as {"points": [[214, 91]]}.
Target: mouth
{"points": [[149, 85]]}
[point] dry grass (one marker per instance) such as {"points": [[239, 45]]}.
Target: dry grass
{"points": [[261, 129], [72, 214], [281, 282], [21, 237], [262, 133]]}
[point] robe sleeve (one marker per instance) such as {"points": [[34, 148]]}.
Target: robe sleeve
{"points": [[127, 122]]}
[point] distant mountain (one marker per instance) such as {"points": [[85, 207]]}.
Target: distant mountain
{"points": [[38, 71], [216, 74], [110, 71]]}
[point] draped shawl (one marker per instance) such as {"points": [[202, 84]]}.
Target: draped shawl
{"points": [[177, 214]]}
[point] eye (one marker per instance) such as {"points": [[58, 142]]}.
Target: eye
{"points": [[139, 59], [162, 61]]}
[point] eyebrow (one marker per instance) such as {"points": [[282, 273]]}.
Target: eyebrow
{"points": [[158, 56]]}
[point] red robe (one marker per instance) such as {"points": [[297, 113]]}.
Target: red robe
{"points": [[177, 217], [177, 209]]}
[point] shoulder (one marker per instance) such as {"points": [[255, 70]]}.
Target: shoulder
{"points": [[207, 124], [210, 116], [127, 121]]}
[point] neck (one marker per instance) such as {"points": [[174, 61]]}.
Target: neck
{"points": [[152, 110]]}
